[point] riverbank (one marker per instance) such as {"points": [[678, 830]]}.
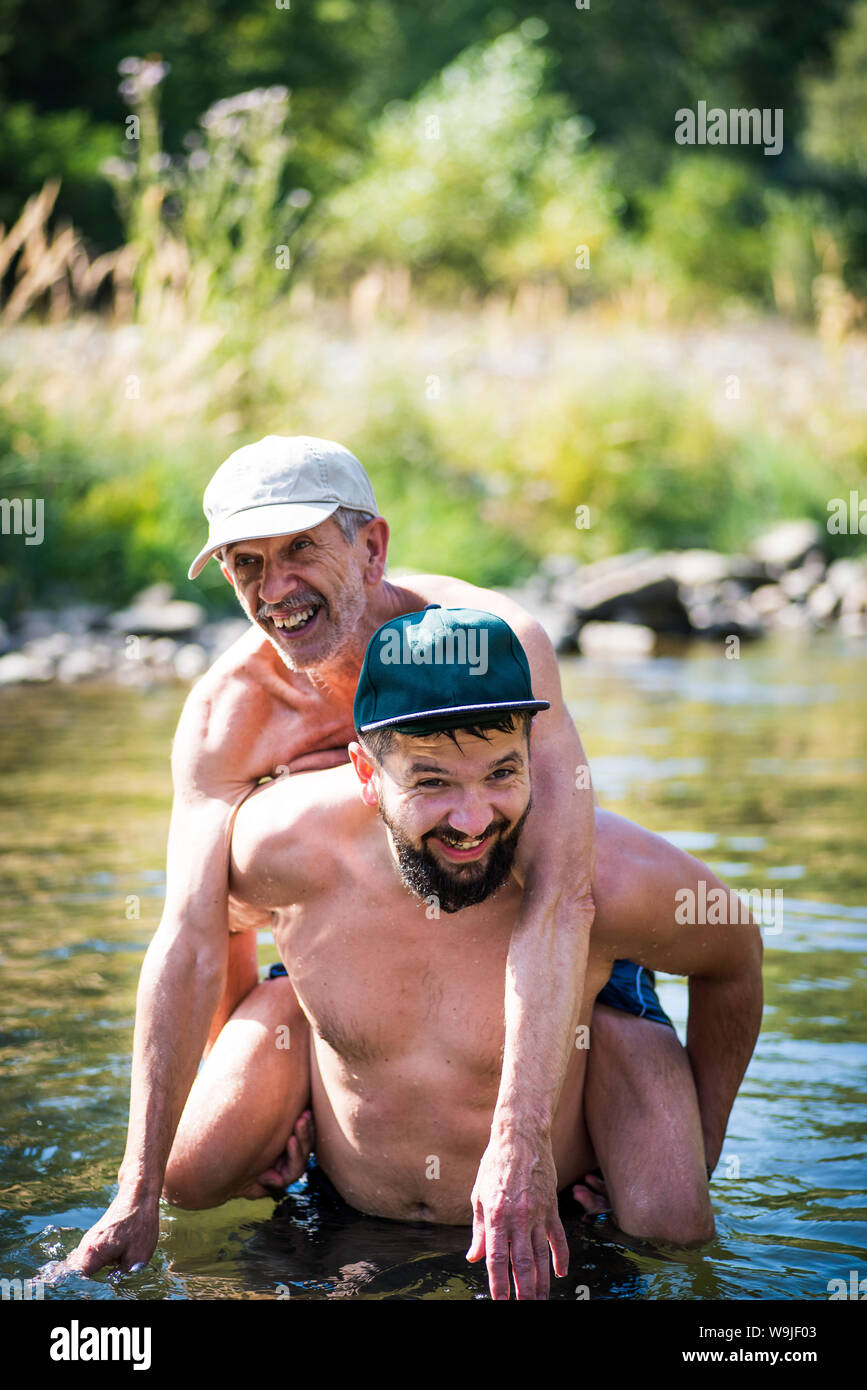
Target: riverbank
{"points": [[621, 606]]}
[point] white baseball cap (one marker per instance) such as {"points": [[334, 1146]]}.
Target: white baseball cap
{"points": [[280, 485]]}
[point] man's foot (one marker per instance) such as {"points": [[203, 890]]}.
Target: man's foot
{"points": [[592, 1195], [289, 1166]]}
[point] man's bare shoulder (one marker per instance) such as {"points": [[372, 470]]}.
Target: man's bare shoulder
{"points": [[288, 833], [459, 593], [216, 745]]}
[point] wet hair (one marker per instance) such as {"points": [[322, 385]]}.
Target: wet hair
{"points": [[378, 742]]}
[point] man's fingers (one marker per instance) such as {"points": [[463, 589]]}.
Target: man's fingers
{"points": [[523, 1265], [477, 1244], [498, 1264], [542, 1262], [559, 1247]]}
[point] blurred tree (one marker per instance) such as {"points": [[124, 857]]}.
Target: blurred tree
{"points": [[625, 65]]}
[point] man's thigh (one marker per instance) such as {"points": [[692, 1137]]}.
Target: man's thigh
{"points": [[244, 1103], [641, 1111]]}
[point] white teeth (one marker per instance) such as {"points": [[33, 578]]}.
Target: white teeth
{"points": [[468, 844], [295, 620]]}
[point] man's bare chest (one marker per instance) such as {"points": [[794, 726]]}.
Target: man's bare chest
{"points": [[385, 982]]}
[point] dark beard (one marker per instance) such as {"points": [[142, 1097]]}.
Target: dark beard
{"points": [[422, 875]]}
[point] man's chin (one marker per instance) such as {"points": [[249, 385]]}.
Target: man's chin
{"points": [[453, 887]]}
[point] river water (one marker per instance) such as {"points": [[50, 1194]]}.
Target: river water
{"points": [[757, 765]]}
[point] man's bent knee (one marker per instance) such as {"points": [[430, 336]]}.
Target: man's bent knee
{"points": [[689, 1222]]}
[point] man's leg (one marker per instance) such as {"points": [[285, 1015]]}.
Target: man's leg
{"points": [[641, 1111], [640, 1102], [241, 1120]]}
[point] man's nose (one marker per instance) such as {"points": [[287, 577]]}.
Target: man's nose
{"points": [[277, 582], [473, 815]]}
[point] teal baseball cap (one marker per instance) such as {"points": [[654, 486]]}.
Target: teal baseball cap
{"points": [[442, 668]]}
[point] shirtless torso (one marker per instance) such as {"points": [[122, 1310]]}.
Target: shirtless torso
{"points": [[406, 1008]]}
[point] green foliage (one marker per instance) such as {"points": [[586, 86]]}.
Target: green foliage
{"points": [[703, 233], [837, 103], [484, 174], [482, 481]]}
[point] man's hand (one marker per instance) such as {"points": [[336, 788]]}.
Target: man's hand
{"points": [[289, 1166], [126, 1235], [515, 1217]]}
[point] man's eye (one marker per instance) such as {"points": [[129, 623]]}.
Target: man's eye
{"points": [[299, 545], [430, 782], [500, 773]]}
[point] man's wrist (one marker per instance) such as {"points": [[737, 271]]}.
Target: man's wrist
{"points": [[519, 1122], [138, 1187]]}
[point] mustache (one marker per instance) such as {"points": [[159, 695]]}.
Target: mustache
{"points": [[453, 837], [304, 600]]}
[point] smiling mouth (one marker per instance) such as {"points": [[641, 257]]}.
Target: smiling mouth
{"points": [[461, 850], [295, 621]]}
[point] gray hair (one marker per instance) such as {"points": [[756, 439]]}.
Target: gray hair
{"points": [[350, 522]]}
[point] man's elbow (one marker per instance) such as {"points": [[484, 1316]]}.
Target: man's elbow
{"points": [[198, 961]]}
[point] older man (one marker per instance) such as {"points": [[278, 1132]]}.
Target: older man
{"points": [[295, 526], [394, 889]]}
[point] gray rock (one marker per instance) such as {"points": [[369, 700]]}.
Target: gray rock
{"points": [[787, 544], [190, 661], [153, 615], [638, 588], [699, 567], [619, 641], [38, 622], [797, 583], [160, 651], [218, 637], [84, 663], [768, 599], [845, 574], [823, 603], [81, 618], [21, 668]]}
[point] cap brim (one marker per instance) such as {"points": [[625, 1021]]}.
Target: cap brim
{"points": [[279, 519], [457, 716]]}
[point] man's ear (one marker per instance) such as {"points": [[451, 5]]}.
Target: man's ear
{"points": [[375, 537], [365, 770]]}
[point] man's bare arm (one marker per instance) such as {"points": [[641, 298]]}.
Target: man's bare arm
{"points": [[181, 983], [515, 1196]]}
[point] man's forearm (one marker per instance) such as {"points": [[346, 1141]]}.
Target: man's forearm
{"points": [[724, 1021], [544, 983], [178, 992], [548, 951]]}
